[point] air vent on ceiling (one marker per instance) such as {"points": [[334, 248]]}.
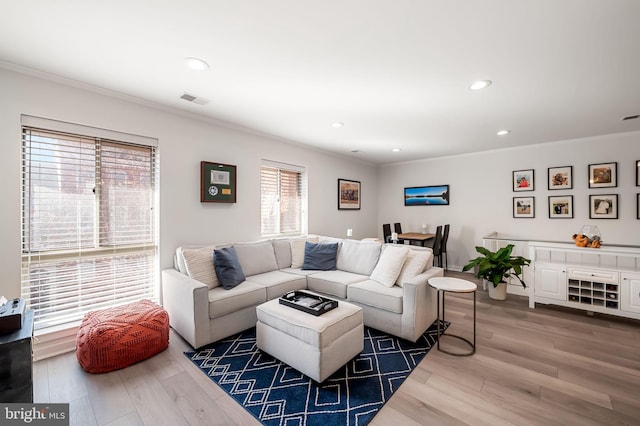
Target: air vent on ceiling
{"points": [[196, 100], [630, 117]]}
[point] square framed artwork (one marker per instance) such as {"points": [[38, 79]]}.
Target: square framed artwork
{"points": [[524, 207], [561, 207], [523, 180], [638, 173], [603, 206], [437, 195], [560, 177], [217, 183], [348, 194], [603, 175], [638, 206]]}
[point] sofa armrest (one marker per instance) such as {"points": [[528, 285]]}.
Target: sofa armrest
{"points": [[419, 303], [187, 302]]}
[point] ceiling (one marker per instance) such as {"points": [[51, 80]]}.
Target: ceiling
{"points": [[395, 72]]}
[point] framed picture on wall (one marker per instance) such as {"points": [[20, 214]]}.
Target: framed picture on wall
{"points": [[603, 206], [217, 183], [638, 173], [561, 207], [638, 206], [603, 175], [437, 195], [523, 180], [560, 177], [523, 207], [348, 194]]}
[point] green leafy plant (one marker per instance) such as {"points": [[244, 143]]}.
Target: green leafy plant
{"points": [[495, 267]]}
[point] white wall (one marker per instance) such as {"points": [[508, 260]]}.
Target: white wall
{"points": [[481, 193], [183, 143]]}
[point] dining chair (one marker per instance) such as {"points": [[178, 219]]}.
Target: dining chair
{"points": [[443, 246], [437, 247], [397, 228], [386, 232]]}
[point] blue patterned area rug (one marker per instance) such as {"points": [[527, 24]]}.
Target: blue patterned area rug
{"points": [[277, 394]]}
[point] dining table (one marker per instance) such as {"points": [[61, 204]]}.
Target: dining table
{"points": [[416, 236]]}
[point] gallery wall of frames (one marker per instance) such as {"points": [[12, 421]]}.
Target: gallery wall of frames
{"points": [[602, 204]]}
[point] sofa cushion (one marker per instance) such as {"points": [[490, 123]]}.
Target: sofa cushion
{"points": [[297, 250], [390, 264], [299, 271], [359, 257], [321, 257], [282, 250], [333, 283], [245, 295], [198, 264], [256, 257], [414, 265], [372, 293], [228, 268], [278, 283]]}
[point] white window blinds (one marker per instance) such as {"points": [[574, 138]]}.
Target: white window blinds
{"points": [[89, 237], [283, 199]]}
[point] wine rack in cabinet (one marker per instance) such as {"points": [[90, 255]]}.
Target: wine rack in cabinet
{"points": [[593, 288]]}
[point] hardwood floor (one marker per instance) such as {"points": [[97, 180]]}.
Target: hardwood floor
{"points": [[547, 366]]}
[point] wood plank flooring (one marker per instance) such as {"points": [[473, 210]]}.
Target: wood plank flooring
{"points": [[543, 366]]}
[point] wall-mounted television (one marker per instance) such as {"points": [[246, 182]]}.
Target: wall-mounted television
{"points": [[437, 195]]}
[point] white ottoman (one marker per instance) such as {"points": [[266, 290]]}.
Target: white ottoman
{"points": [[315, 346]]}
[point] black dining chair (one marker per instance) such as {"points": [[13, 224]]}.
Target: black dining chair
{"points": [[437, 247], [397, 228], [386, 232], [443, 246]]}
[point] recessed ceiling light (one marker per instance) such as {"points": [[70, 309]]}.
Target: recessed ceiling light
{"points": [[197, 64], [503, 132], [480, 84], [396, 150], [337, 124]]}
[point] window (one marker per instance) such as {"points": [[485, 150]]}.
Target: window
{"points": [[89, 237], [283, 199]]}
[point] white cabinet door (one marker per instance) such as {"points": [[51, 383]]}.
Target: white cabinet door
{"points": [[630, 292], [550, 281]]}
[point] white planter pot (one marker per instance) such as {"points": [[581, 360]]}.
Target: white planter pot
{"points": [[497, 293]]}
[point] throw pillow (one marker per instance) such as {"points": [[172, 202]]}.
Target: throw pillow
{"points": [[297, 250], [199, 265], [320, 257], [389, 266], [228, 267], [413, 266]]}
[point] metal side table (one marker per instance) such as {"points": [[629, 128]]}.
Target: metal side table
{"points": [[454, 285]]}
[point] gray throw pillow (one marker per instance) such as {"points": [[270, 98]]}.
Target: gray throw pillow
{"points": [[228, 267], [320, 257]]}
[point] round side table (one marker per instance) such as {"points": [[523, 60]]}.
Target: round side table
{"points": [[454, 285]]}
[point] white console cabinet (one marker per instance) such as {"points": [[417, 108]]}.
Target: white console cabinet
{"points": [[605, 280]]}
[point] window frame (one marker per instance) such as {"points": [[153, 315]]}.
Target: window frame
{"points": [[303, 206], [146, 250]]}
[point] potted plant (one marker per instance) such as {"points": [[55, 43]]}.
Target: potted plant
{"points": [[496, 267]]}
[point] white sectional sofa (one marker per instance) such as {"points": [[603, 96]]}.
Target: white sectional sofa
{"points": [[202, 311]]}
